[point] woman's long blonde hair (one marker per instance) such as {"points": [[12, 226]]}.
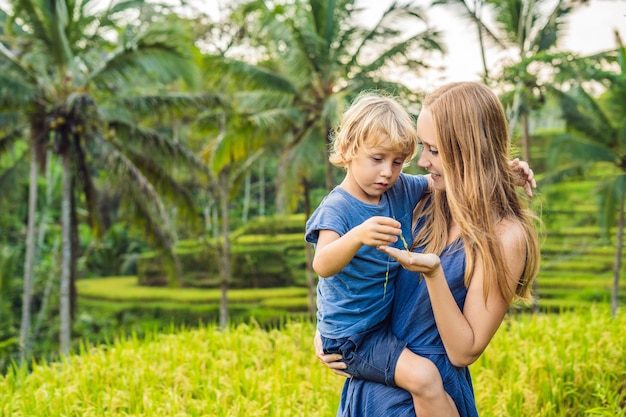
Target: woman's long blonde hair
{"points": [[472, 140]]}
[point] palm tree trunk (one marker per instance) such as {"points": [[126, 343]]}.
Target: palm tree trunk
{"points": [[281, 197], [330, 183], [262, 187], [74, 239], [246, 197], [310, 282], [225, 255], [618, 259], [47, 292], [525, 138], [27, 295], [66, 258], [481, 40]]}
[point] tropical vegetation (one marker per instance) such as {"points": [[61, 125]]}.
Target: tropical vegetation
{"points": [[250, 371], [157, 143]]}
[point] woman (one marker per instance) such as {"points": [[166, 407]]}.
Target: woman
{"points": [[475, 250]]}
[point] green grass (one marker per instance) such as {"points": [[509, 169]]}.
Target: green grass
{"points": [[127, 289], [568, 365]]}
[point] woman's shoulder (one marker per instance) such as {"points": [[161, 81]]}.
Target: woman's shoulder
{"points": [[511, 234], [513, 240]]}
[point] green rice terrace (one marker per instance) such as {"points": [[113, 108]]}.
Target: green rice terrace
{"points": [[269, 270], [159, 352], [567, 365]]}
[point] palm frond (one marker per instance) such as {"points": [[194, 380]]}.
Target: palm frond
{"points": [[472, 15], [130, 137], [250, 76], [84, 178], [298, 162], [11, 171], [8, 141], [546, 35], [387, 21], [151, 54], [233, 147], [14, 92], [298, 62], [612, 192], [140, 213], [562, 172], [165, 185], [34, 18], [275, 119], [426, 41], [167, 105], [580, 150], [136, 184], [267, 109], [16, 77], [583, 114]]}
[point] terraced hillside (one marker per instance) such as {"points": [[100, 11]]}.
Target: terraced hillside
{"points": [[577, 261]]}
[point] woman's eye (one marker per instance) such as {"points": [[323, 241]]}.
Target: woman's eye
{"points": [[434, 152]]}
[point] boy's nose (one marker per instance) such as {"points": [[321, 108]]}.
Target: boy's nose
{"points": [[387, 171]]}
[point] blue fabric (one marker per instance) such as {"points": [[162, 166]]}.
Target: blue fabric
{"points": [[413, 321], [356, 300], [371, 355]]}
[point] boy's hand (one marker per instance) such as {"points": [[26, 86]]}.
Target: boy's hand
{"points": [[379, 230], [525, 176]]}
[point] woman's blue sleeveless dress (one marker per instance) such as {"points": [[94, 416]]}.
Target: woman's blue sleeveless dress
{"points": [[413, 321]]}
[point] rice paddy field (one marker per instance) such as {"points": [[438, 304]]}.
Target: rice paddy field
{"points": [[568, 364]]}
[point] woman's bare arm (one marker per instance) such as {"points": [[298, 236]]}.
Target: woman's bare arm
{"points": [[466, 334]]}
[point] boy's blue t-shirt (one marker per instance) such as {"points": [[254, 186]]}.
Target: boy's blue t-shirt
{"points": [[355, 299]]}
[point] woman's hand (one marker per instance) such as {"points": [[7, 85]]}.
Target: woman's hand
{"points": [[426, 263], [333, 361]]}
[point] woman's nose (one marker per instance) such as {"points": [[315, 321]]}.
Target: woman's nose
{"points": [[423, 162]]}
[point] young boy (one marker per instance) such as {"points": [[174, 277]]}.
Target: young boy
{"points": [[372, 206]]}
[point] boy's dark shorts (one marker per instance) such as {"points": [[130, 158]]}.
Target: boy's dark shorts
{"points": [[370, 355]]}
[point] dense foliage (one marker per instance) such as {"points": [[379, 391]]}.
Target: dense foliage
{"points": [[107, 105]]}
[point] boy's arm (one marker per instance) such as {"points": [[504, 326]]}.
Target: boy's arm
{"points": [[334, 252], [525, 176], [431, 184]]}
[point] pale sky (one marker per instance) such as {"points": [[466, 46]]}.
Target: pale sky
{"points": [[590, 29]]}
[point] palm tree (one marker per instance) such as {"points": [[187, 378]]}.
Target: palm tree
{"points": [[596, 138], [311, 58], [472, 10], [524, 27], [231, 145], [71, 70], [316, 58]]}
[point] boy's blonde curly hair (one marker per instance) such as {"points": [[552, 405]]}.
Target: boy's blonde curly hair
{"points": [[373, 119]]}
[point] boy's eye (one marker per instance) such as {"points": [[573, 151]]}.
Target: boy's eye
{"points": [[398, 163]]}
